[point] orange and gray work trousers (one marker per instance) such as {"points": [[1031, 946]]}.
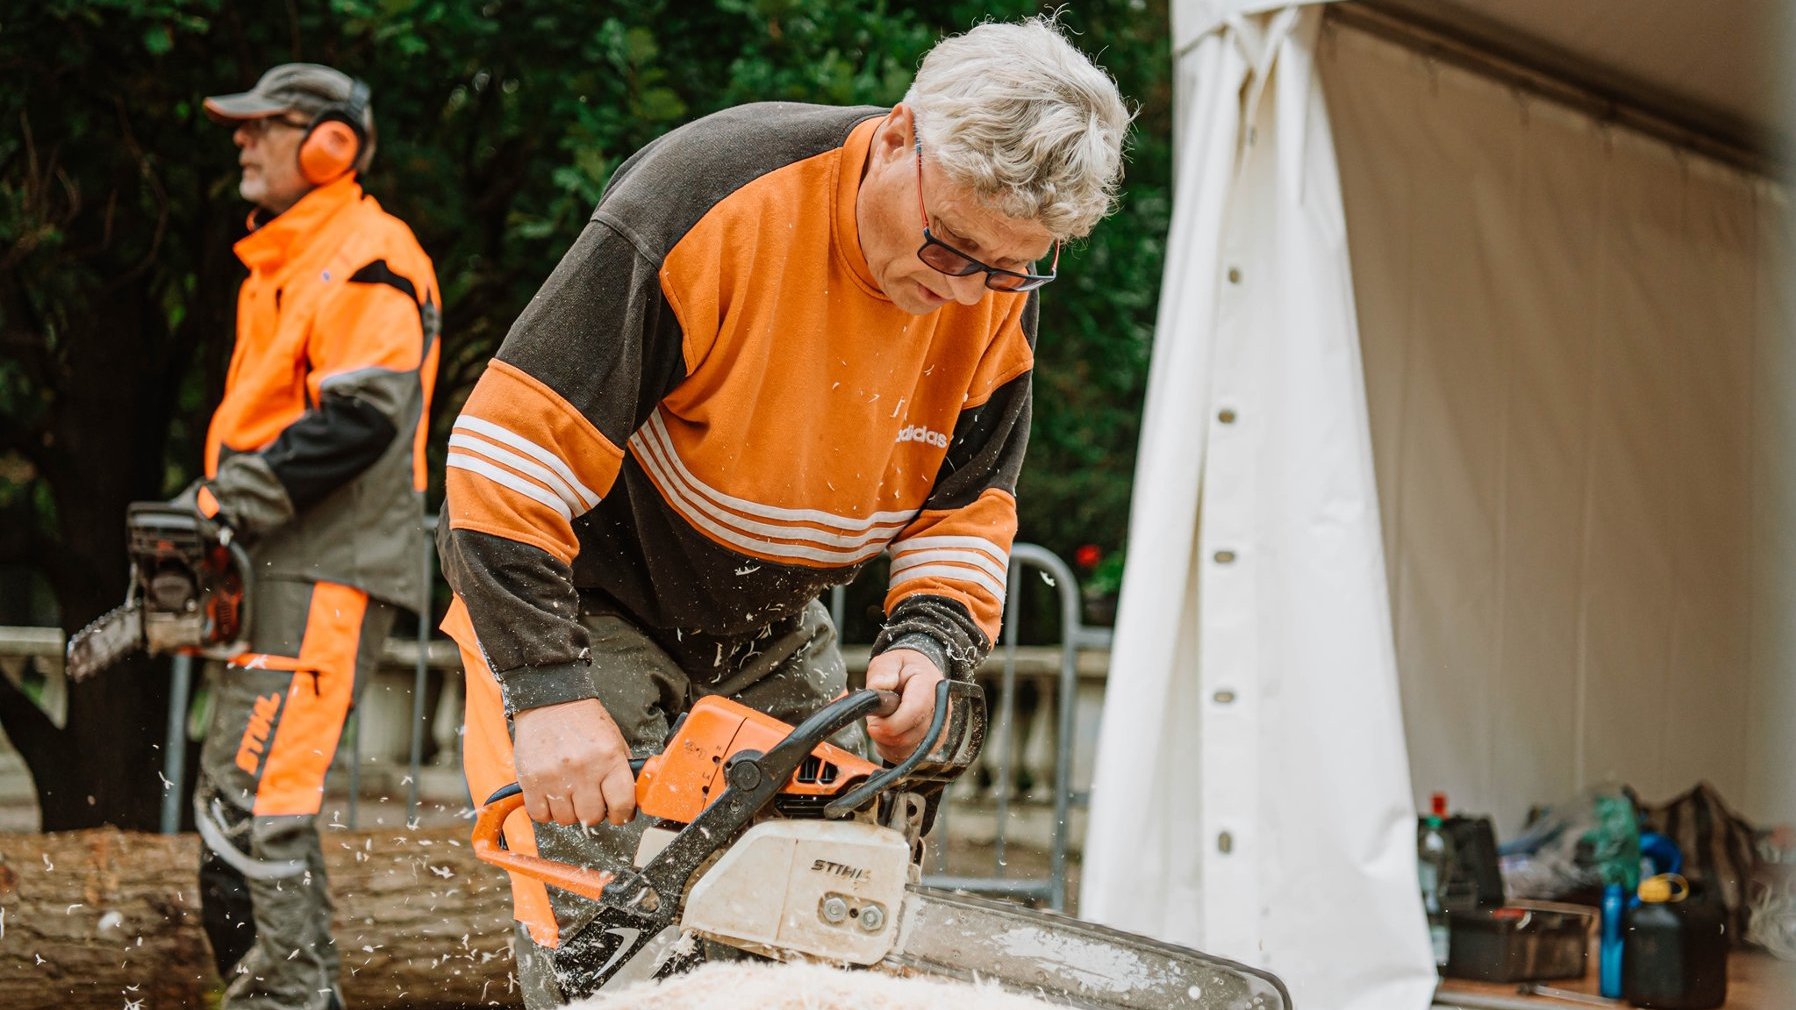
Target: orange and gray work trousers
{"points": [[277, 714], [566, 942]]}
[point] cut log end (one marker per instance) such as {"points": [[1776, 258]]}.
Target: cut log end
{"points": [[111, 919]]}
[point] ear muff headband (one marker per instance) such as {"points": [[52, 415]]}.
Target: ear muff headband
{"points": [[334, 140]]}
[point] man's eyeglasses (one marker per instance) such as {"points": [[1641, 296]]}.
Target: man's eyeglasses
{"points": [[946, 259], [258, 128]]}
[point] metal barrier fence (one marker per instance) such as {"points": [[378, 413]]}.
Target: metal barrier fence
{"points": [[1024, 558], [1074, 636]]}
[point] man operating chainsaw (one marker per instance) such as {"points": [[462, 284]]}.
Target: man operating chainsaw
{"points": [[315, 460], [789, 339]]}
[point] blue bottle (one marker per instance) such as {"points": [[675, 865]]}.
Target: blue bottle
{"points": [[1609, 958]]}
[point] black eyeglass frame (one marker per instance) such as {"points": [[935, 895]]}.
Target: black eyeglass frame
{"points": [[1025, 281], [259, 126]]}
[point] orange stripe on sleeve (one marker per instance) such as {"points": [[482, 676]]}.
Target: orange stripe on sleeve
{"points": [[962, 554], [523, 463]]}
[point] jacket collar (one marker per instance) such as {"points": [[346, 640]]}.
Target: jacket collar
{"points": [[855, 152], [270, 241]]}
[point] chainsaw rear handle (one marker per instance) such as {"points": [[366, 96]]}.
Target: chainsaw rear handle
{"points": [[246, 573], [512, 789], [489, 845]]}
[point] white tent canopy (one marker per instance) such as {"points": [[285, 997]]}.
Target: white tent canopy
{"points": [[1712, 68], [1534, 541]]}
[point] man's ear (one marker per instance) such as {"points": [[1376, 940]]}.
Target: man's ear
{"points": [[896, 134]]}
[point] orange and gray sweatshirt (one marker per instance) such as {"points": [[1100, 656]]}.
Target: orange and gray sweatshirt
{"points": [[710, 414]]}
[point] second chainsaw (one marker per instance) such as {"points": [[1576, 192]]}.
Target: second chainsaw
{"points": [[189, 592]]}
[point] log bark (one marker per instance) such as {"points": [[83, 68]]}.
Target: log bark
{"points": [[111, 919]]}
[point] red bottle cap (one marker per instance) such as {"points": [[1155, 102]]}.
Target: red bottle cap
{"points": [[1440, 805]]}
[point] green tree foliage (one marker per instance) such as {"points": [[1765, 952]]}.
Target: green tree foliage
{"points": [[500, 123]]}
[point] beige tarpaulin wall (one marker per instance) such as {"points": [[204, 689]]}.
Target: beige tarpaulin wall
{"points": [[1578, 355]]}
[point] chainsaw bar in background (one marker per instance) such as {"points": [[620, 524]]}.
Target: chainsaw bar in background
{"points": [[113, 636]]}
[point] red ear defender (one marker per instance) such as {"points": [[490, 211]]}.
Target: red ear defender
{"points": [[334, 141], [329, 150]]}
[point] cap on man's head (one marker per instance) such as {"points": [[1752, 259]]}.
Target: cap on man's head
{"points": [[306, 88]]}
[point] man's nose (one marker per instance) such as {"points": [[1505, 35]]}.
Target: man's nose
{"points": [[969, 289]]}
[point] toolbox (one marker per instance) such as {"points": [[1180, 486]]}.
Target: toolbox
{"points": [[1520, 942]]}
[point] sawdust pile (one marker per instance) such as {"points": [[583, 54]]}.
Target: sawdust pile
{"points": [[762, 986]]}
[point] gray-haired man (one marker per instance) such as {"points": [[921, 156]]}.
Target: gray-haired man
{"points": [[790, 339]]}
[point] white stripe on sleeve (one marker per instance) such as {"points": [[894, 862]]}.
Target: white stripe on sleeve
{"points": [[505, 478]]}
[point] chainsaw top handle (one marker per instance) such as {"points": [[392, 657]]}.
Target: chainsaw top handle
{"points": [[846, 804]]}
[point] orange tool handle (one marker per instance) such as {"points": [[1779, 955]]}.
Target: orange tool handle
{"points": [[489, 838]]}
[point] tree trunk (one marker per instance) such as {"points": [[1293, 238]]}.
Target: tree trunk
{"points": [[109, 437], [106, 919]]}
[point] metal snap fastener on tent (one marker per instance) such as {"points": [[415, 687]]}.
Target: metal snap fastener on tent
{"points": [[1226, 415], [1223, 697], [1225, 557], [1234, 275], [1225, 843]]}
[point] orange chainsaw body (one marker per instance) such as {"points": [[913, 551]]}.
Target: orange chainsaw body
{"points": [[677, 784]]}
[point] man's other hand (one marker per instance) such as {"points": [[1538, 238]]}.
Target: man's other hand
{"points": [[914, 677], [573, 764]]}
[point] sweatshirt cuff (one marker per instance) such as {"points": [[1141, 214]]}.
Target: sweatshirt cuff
{"points": [[940, 628], [929, 645], [528, 687]]}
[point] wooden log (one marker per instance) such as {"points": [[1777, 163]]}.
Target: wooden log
{"points": [[110, 919]]}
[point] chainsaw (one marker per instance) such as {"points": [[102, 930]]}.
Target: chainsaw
{"points": [[190, 581], [769, 840]]}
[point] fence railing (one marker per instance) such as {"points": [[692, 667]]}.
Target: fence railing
{"points": [[1074, 636], [426, 653]]}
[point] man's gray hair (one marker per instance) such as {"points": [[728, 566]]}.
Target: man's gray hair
{"points": [[1015, 113]]}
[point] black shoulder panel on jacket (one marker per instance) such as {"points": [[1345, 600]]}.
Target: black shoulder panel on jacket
{"points": [[328, 447], [378, 272]]}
